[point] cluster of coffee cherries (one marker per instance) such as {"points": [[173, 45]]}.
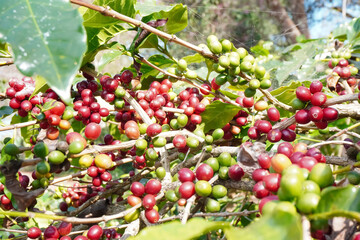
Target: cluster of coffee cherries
{"points": [[292, 179], [86, 105], [19, 93], [265, 127], [61, 232], [340, 67], [226, 168], [148, 202], [317, 113], [267, 177], [76, 195], [232, 62]]}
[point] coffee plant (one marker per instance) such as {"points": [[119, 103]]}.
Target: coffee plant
{"points": [[228, 142]]}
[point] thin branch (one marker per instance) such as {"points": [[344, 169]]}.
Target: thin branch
{"points": [[137, 23], [6, 63], [107, 148], [276, 102], [18, 125], [346, 130], [333, 142]]}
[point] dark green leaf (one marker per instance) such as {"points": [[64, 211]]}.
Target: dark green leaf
{"points": [[344, 201], [229, 94], [177, 16], [217, 114], [98, 38], [158, 60], [95, 19], [5, 157], [5, 111], [151, 41], [193, 229], [47, 39], [279, 226]]}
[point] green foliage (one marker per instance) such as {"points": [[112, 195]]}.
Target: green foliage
{"points": [[342, 202], [217, 114], [95, 19], [194, 228], [300, 57], [26, 132], [177, 16], [5, 111], [279, 225], [43, 44]]}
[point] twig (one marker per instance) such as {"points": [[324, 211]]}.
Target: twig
{"points": [[305, 228], [333, 142], [18, 125], [276, 102], [137, 23], [220, 214], [12, 230], [343, 131], [107, 148], [6, 63]]}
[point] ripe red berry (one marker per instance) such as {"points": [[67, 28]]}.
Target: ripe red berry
{"points": [[204, 172], [264, 161], [64, 228], [272, 182], [236, 172], [187, 189], [186, 175], [95, 232], [149, 201], [248, 102], [259, 174], [253, 133], [259, 190], [34, 232], [51, 232], [92, 131], [273, 114], [137, 189], [330, 114], [303, 93], [152, 215], [153, 129], [288, 135], [274, 135], [302, 116], [316, 86], [318, 99], [153, 186], [316, 114], [264, 126]]}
